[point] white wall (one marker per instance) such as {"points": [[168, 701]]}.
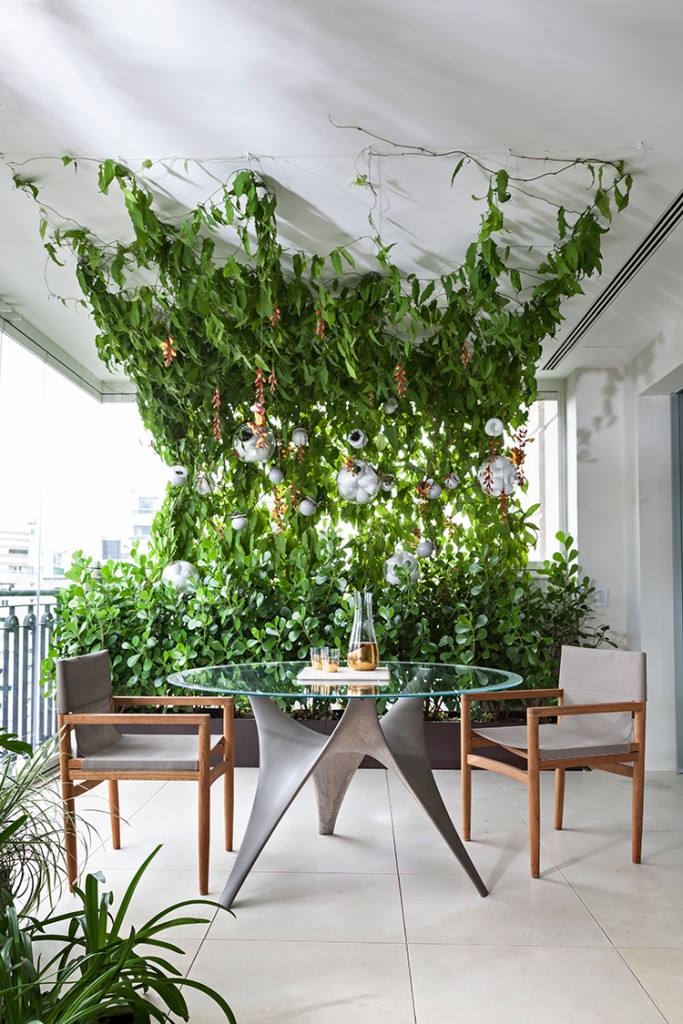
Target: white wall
{"points": [[620, 501]]}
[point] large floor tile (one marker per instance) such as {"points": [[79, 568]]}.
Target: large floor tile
{"points": [[446, 908], [636, 904], [279, 982], [322, 907], [491, 805], [351, 848], [508, 984], [660, 972]]}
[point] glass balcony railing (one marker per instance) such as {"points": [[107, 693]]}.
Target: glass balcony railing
{"points": [[26, 618]]}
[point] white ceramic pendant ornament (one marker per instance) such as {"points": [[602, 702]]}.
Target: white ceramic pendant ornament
{"points": [[425, 548], [497, 476], [253, 444], [494, 427], [387, 482], [239, 521], [357, 438], [452, 481], [275, 475], [404, 561], [177, 476], [434, 490], [390, 406], [358, 482], [181, 575], [307, 506], [300, 437]]}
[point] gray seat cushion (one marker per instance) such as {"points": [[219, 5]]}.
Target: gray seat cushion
{"points": [[150, 752], [565, 739]]}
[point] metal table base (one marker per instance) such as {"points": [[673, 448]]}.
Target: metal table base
{"points": [[290, 753]]}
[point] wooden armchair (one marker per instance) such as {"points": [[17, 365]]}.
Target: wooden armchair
{"points": [[87, 714], [600, 723]]}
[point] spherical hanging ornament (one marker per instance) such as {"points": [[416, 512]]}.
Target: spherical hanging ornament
{"points": [[494, 427], [307, 506], [357, 438], [452, 481], [180, 575], [177, 475], [497, 476], [401, 567], [239, 521], [253, 443], [275, 475], [390, 406], [434, 490], [300, 437], [425, 548], [358, 482], [387, 482]]}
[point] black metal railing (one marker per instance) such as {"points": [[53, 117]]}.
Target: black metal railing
{"points": [[26, 618]]}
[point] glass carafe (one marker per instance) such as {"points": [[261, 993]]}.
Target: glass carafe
{"points": [[363, 655]]}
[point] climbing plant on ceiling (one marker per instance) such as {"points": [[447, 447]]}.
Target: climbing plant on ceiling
{"points": [[289, 392]]}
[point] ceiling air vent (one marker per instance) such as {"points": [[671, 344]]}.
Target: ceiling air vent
{"points": [[654, 238]]}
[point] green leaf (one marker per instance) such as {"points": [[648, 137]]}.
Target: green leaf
{"points": [[458, 168]]}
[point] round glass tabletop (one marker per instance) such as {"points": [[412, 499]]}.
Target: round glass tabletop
{"points": [[290, 680]]}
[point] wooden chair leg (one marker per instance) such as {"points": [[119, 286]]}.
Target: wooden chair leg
{"points": [[204, 808], [229, 779], [229, 807], [114, 814], [559, 796], [70, 838], [638, 788], [533, 785], [465, 769], [204, 836], [68, 803]]}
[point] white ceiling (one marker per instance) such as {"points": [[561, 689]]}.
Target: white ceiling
{"points": [[269, 85]]}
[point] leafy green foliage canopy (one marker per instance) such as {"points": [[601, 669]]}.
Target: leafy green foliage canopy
{"points": [[193, 308]]}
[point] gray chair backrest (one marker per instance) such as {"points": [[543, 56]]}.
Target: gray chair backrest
{"points": [[591, 676], [84, 687]]}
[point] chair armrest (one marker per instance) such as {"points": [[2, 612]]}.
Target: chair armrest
{"points": [[124, 719], [201, 702], [606, 707], [468, 697]]}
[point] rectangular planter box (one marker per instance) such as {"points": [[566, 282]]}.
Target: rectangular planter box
{"points": [[443, 744]]}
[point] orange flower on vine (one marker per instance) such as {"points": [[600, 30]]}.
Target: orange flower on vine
{"points": [[168, 350], [216, 403], [401, 380]]}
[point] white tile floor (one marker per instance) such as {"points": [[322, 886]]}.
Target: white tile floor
{"points": [[379, 923]]}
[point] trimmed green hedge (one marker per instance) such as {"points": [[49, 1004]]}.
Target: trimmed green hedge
{"points": [[269, 607]]}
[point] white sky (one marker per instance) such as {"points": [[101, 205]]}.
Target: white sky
{"points": [[91, 458]]}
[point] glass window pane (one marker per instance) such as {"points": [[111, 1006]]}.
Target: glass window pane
{"points": [[542, 470], [83, 474]]}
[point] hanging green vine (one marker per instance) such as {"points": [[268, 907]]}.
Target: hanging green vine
{"points": [[218, 326]]}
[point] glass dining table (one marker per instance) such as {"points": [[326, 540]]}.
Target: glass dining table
{"points": [[381, 715]]}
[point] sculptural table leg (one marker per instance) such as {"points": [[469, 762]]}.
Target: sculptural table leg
{"points": [[290, 753], [396, 741]]}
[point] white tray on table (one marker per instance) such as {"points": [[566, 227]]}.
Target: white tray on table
{"points": [[343, 676]]}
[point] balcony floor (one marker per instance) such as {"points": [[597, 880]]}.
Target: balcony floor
{"points": [[379, 922]]}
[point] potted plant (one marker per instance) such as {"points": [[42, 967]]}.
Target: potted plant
{"points": [[31, 824], [104, 971]]}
